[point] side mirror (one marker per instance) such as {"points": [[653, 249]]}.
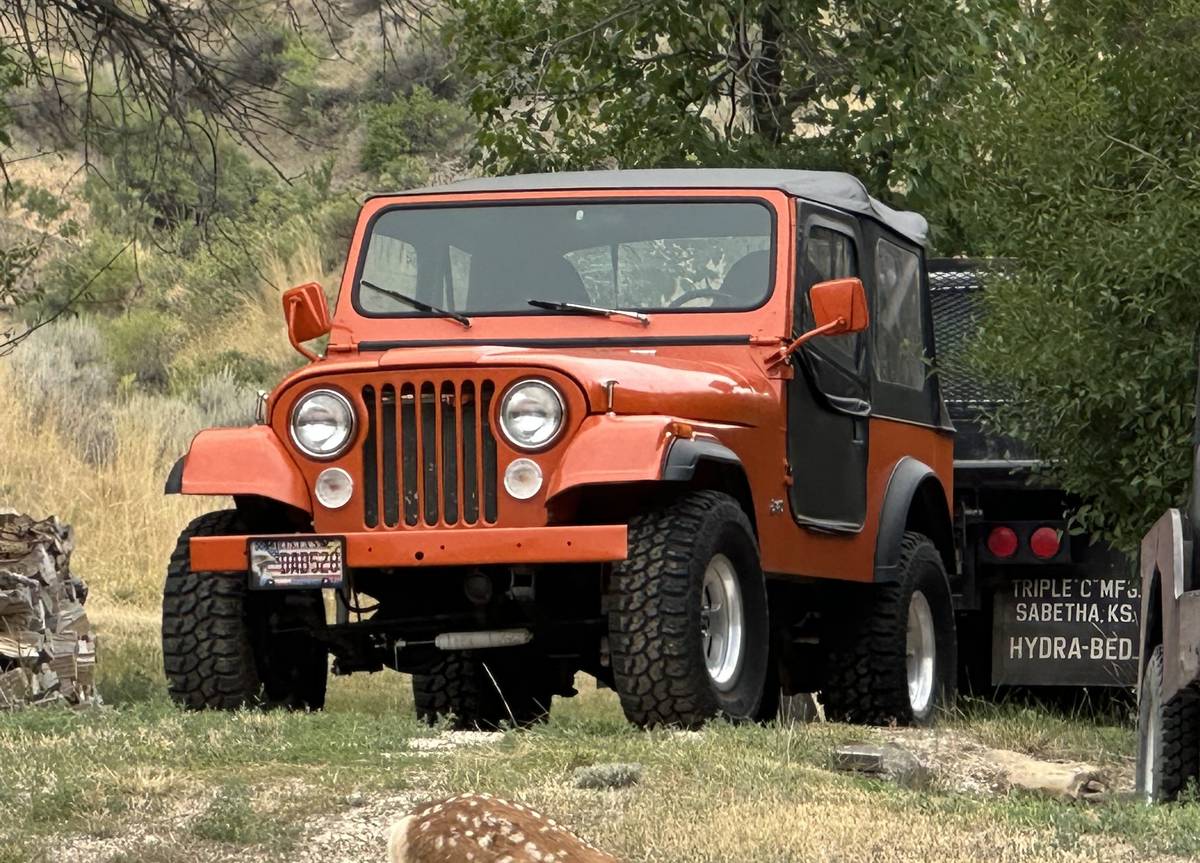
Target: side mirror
{"points": [[840, 304], [307, 316]]}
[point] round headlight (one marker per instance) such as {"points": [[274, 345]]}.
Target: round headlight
{"points": [[531, 414], [322, 423]]}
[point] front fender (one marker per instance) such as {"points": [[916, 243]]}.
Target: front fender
{"points": [[240, 461], [1164, 562], [609, 448]]}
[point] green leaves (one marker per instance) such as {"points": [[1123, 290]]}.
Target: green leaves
{"points": [[584, 83], [1090, 184]]}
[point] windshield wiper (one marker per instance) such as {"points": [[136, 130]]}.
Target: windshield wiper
{"points": [[419, 305], [589, 310]]}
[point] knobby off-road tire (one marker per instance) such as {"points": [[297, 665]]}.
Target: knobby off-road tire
{"points": [[222, 644], [657, 619], [1168, 755], [460, 688], [867, 663]]}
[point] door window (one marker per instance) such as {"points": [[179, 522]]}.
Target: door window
{"points": [[830, 254], [898, 325]]}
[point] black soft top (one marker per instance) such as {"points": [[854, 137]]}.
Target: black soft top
{"points": [[834, 188]]}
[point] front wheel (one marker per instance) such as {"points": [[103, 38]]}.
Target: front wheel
{"points": [[1168, 756], [688, 627], [225, 648]]}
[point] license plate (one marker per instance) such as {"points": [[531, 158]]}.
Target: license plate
{"points": [[311, 561]]}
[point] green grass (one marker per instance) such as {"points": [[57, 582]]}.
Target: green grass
{"points": [[254, 781], [1102, 733], [233, 817]]}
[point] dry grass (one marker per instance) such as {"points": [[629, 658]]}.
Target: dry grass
{"points": [[124, 525], [255, 326]]}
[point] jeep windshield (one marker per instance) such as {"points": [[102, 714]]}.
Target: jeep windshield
{"points": [[472, 259]]}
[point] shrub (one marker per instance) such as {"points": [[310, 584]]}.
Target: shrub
{"points": [[66, 382], [45, 206], [141, 345], [162, 177], [221, 401], [15, 263], [242, 368], [259, 58], [402, 133], [99, 276]]}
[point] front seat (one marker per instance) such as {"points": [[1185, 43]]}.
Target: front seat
{"points": [[555, 279], [746, 282], [509, 284]]}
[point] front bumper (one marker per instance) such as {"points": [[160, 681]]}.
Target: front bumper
{"points": [[605, 543]]}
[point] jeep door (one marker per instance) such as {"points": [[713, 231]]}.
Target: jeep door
{"points": [[828, 398]]}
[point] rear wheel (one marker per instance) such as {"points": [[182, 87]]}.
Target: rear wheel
{"points": [[891, 655], [1168, 736], [482, 691], [688, 615], [225, 647]]}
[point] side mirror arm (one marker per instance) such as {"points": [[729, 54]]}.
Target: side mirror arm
{"points": [[837, 325]]}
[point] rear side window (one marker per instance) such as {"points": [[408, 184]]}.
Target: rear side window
{"points": [[829, 255], [899, 335]]}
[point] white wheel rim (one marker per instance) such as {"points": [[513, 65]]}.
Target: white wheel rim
{"points": [[921, 653], [1150, 753], [722, 624]]}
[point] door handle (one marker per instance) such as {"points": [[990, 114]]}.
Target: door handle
{"points": [[860, 430]]}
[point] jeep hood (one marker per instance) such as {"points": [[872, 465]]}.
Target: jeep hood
{"points": [[646, 381]]}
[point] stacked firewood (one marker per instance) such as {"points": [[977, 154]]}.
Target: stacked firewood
{"points": [[47, 648]]}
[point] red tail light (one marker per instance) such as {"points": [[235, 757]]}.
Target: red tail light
{"points": [[1002, 542], [1045, 542]]}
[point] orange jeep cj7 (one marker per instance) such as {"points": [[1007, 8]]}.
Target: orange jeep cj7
{"points": [[673, 428]]}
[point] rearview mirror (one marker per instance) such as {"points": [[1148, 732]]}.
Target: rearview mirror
{"points": [[307, 315], [839, 300]]}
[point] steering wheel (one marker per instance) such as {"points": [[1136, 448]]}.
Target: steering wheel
{"points": [[717, 298]]}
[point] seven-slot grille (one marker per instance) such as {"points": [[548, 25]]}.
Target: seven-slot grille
{"points": [[429, 456]]}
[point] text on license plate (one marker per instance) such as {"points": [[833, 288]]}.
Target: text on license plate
{"points": [[317, 561]]}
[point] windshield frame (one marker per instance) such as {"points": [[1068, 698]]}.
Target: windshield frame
{"points": [[578, 197]]}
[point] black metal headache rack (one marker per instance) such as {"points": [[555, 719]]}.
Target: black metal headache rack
{"points": [[956, 293]]}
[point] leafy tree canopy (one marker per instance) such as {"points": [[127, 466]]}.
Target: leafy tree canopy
{"points": [[851, 84], [1086, 172]]}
